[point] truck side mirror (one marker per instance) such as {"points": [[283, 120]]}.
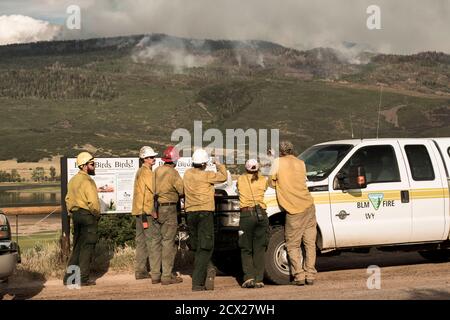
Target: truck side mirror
{"points": [[338, 182], [357, 178]]}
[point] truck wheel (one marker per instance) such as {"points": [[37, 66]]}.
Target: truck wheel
{"points": [[276, 260], [442, 255]]}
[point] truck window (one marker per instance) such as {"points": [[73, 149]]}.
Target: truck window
{"points": [[322, 159], [379, 163], [419, 163]]}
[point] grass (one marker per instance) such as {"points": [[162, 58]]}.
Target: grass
{"points": [[43, 260], [306, 112], [29, 241]]}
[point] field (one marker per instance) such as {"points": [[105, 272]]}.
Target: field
{"points": [[27, 242]]}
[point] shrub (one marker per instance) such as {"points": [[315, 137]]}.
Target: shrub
{"points": [[43, 260], [119, 229]]}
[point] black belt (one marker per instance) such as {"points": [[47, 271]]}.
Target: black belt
{"points": [[168, 204], [248, 209], [81, 211]]}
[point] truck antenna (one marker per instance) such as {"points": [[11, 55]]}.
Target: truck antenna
{"points": [[379, 110], [363, 122], [351, 125]]}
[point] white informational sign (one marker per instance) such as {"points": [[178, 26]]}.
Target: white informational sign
{"points": [[185, 163], [114, 178]]}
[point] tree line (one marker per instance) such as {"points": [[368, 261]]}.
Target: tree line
{"points": [[56, 82], [38, 175]]}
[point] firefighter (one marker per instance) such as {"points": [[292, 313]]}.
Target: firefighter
{"points": [[288, 177], [163, 229], [142, 209], [199, 207], [253, 224], [83, 206]]}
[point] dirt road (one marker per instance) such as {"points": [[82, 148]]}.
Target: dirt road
{"points": [[403, 276]]}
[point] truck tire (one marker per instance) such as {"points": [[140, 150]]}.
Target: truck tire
{"points": [[276, 260], [442, 255]]}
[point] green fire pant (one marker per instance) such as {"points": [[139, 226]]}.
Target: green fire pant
{"points": [[85, 238], [253, 240], [142, 247], [162, 242], [201, 240]]}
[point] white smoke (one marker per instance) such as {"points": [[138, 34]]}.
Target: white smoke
{"points": [[348, 52], [172, 53], [292, 23], [22, 29]]}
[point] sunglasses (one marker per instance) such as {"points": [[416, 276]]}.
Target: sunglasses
{"points": [[91, 163], [149, 158]]}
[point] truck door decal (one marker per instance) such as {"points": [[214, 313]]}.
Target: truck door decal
{"points": [[376, 199], [370, 216]]}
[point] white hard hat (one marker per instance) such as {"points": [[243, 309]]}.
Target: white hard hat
{"points": [[252, 165], [83, 158], [147, 152], [200, 156]]}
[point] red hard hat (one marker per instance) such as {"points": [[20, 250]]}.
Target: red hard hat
{"points": [[170, 154]]}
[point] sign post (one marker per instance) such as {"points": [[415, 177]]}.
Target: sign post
{"points": [[65, 220]]}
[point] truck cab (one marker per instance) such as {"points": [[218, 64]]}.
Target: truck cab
{"points": [[392, 194]]}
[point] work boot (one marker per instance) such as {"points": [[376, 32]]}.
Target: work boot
{"points": [[173, 280], [259, 285], [140, 276], [156, 281], [210, 276], [298, 282], [198, 288], [88, 283], [310, 282], [249, 283]]}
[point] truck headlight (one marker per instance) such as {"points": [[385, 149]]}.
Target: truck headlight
{"points": [[230, 219], [229, 213]]}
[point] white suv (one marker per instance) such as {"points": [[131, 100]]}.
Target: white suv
{"points": [[9, 250]]}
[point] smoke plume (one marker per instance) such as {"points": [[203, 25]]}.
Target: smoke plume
{"points": [[22, 29]]}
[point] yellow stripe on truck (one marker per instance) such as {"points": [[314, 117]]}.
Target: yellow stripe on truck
{"points": [[340, 197], [429, 193]]}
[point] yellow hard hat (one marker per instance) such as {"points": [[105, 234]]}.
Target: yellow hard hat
{"points": [[83, 158]]}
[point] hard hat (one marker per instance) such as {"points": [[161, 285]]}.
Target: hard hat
{"points": [[252, 165], [170, 154], [83, 158], [200, 156], [147, 152]]}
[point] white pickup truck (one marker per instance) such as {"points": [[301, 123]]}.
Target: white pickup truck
{"points": [[392, 194]]}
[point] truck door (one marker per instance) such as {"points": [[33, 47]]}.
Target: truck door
{"points": [[376, 214], [427, 193]]}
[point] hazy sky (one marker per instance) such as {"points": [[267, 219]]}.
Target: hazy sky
{"points": [[407, 26]]}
